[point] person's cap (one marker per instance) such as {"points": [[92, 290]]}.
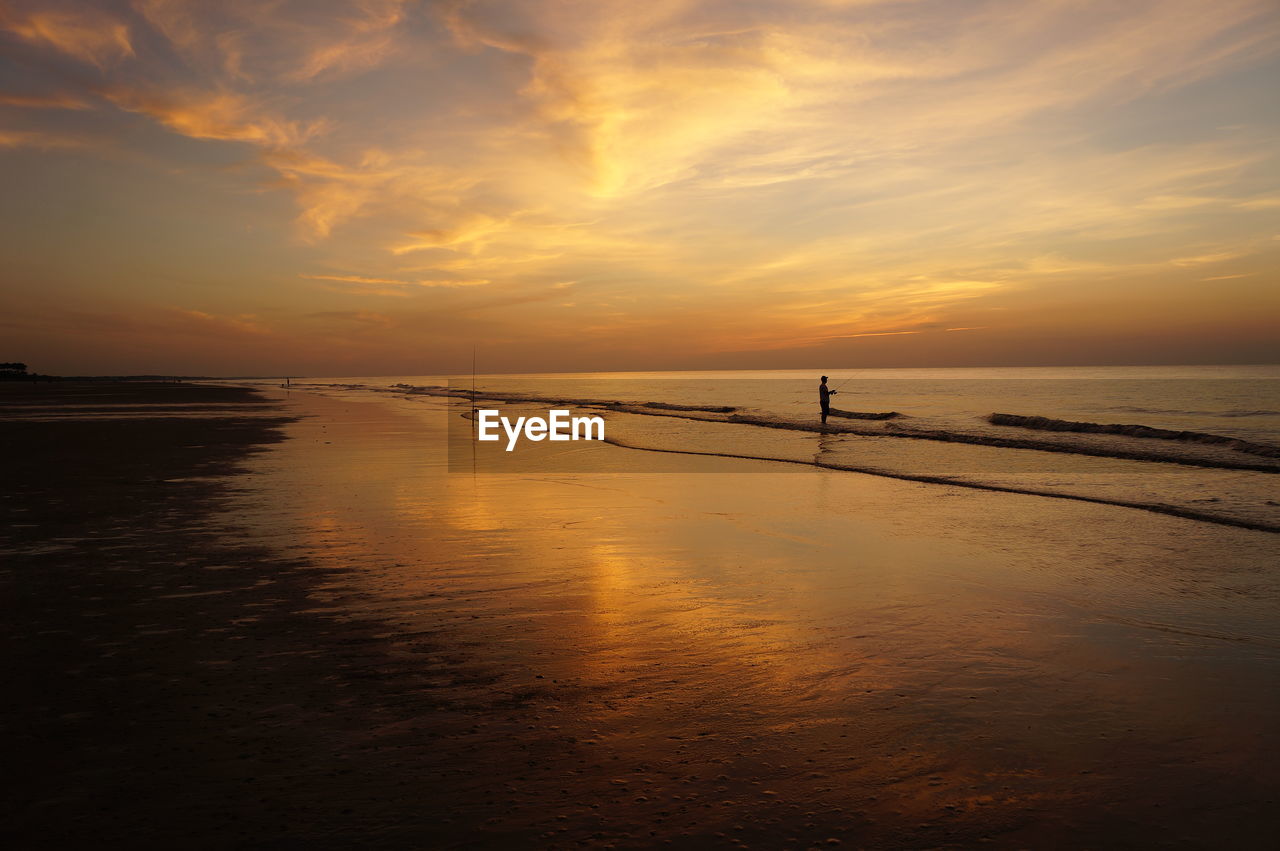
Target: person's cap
{"points": [[824, 378]]}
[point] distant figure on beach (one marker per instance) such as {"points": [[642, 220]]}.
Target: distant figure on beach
{"points": [[824, 398]]}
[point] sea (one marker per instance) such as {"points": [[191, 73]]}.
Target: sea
{"points": [[1200, 442]]}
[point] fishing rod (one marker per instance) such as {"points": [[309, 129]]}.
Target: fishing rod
{"points": [[837, 387], [474, 421], [843, 383]]}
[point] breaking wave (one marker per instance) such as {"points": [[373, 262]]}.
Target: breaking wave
{"points": [[1128, 430], [1238, 412]]}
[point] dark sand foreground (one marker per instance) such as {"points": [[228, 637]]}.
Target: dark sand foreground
{"points": [[236, 621]]}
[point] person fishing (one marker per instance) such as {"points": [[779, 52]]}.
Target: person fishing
{"points": [[824, 398]]}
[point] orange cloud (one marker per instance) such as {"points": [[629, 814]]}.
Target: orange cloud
{"points": [[357, 317], [221, 115], [60, 100], [37, 139], [85, 33], [330, 192], [248, 40], [472, 231], [198, 321], [427, 282], [366, 40]]}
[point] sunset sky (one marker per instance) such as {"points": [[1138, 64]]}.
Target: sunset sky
{"points": [[362, 188]]}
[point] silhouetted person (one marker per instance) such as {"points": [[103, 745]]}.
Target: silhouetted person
{"points": [[824, 398]]}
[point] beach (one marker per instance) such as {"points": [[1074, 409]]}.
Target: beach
{"points": [[278, 618]]}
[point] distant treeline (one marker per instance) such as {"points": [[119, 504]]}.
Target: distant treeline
{"points": [[163, 379], [18, 372]]}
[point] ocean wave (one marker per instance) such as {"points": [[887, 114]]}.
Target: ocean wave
{"points": [[671, 406], [863, 415], [1133, 409], [1130, 430], [911, 431]]}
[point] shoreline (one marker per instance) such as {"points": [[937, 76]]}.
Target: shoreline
{"points": [[326, 638], [1154, 508]]}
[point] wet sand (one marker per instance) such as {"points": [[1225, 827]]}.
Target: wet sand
{"points": [[288, 624]]}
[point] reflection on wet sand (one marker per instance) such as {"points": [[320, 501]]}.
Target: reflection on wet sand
{"points": [[781, 659]]}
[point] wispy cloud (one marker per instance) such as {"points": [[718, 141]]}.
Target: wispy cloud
{"points": [[202, 322], [420, 282], [1205, 259], [217, 115], [868, 334], [83, 32], [37, 139], [248, 41], [57, 100]]}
